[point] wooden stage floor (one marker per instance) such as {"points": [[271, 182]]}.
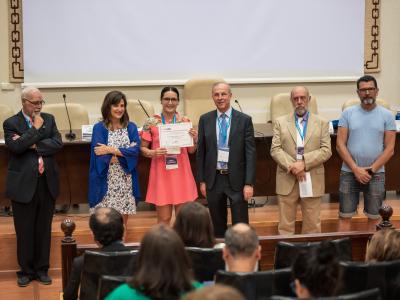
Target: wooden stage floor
{"points": [[264, 219]]}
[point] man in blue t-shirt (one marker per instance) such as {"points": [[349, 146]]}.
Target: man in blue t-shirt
{"points": [[365, 141]]}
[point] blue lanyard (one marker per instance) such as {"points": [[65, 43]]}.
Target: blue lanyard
{"points": [[302, 133], [163, 119]]}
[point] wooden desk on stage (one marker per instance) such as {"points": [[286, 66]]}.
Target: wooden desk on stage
{"points": [[73, 161]]}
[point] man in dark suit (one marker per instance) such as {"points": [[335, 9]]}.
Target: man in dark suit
{"points": [[32, 183], [108, 229], [226, 160]]}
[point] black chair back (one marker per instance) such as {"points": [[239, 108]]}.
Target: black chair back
{"points": [[365, 295], [97, 263], [359, 276], [109, 283], [205, 262], [258, 285], [286, 253]]}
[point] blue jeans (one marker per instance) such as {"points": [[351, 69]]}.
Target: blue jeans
{"points": [[349, 194]]}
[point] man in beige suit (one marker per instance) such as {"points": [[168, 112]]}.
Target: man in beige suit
{"points": [[300, 145]]}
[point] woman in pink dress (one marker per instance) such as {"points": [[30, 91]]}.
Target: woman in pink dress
{"points": [[171, 181]]}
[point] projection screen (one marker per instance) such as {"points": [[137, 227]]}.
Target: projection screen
{"points": [[102, 42]]}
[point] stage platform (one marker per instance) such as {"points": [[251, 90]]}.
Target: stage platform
{"points": [[264, 219]]}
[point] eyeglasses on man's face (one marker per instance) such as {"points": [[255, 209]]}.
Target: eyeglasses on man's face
{"points": [[36, 103]]}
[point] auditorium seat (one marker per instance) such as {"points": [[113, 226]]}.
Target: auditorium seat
{"points": [[205, 262], [77, 112], [97, 263], [381, 102], [137, 112], [258, 285], [5, 113], [109, 283], [364, 295], [286, 253], [198, 97], [359, 276], [282, 105]]}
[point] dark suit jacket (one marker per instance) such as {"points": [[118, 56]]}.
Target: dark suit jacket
{"points": [[71, 291], [23, 164], [242, 150]]}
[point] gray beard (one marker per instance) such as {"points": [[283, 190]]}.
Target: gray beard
{"points": [[368, 101], [300, 111]]}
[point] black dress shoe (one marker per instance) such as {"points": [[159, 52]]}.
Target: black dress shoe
{"points": [[44, 279], [23, 280]]}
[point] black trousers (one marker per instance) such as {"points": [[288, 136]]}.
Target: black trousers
{"points": [[217, 203], [32, 222]]}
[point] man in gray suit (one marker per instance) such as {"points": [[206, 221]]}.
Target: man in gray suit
{"points": [[226, 159], [32, 183]]}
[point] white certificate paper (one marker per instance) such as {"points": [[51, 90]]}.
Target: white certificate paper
{"points": [[175, 135], [306, 187]]}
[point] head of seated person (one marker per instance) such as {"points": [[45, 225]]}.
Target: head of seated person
{"points": [[107, 226], [194, 226], [242, 250], [383, 246], [163, 270], [316, 272], [215, 292]]}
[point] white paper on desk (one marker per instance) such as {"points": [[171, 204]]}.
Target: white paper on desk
{"points": [[331, 129], [87, 132], [175, 135], [306, 187], [397, 125]]}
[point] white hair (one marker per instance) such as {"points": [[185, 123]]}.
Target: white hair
{"points": [[27, 91]]}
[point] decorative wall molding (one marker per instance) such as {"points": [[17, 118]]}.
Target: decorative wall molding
{"points": [[16, 53], [372, 36]]}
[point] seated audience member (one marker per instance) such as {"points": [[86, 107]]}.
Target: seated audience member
{"points": [[384, 246], [215, 292], [242, 250], [194, 226], [108, 229], [316, 272], [163, 269]]}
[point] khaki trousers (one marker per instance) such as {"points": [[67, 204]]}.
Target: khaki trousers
{"points": [[310, 209]]}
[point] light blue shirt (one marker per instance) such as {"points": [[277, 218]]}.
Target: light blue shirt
{"points": [[366, 133]]}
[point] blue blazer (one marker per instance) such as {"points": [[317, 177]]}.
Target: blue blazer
{"points": [[99, 165]]}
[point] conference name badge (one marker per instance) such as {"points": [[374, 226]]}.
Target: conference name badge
{"points": [[171, 162], [223, 155]]}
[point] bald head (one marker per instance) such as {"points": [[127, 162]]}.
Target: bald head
{"points": [[301, 89], [241, 240], [107, 225], [221, 84]]}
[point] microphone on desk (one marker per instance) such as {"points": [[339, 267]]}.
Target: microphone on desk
{"points": [[237, 102], [70, 135], [141, 105], [258, 133]]}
